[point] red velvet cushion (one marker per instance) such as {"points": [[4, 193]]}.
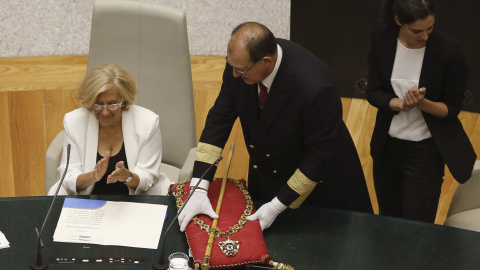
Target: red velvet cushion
{"points": [[252, 249]]}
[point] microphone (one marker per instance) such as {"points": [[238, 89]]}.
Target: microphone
{"points": [[39, 264], [161, 264]]}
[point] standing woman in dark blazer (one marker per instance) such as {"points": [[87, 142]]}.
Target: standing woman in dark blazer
{"points": [[417, 79]]}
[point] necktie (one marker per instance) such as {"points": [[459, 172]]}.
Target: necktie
{"points": [[263, 94]]}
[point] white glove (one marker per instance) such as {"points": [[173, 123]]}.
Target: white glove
{"points": [[198, 204], [267, 213]]}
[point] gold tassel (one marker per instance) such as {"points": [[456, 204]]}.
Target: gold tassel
{"points": [[282, 266]]}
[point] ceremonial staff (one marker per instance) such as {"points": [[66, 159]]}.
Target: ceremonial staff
{"points": [[211, 237]]}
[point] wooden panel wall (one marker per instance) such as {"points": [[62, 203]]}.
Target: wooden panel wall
{"points": [[35, 93], [207, 78], [7, 187]]}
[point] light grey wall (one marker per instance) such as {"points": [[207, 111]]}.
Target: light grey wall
{"points": [[62, 27]]}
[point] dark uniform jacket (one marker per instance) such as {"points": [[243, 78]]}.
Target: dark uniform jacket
{"points": [[444, 74], [296, 142]]}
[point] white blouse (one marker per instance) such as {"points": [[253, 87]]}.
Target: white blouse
{"points": [[407, 67]]}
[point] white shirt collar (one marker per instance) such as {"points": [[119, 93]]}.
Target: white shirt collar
{"points": [[269, 79]]}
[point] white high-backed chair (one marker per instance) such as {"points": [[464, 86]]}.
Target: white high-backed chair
{"points": [[464, 211], [150, 41]]}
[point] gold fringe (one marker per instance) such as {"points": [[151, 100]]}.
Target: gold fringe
{"points": [[301, 185], [207, 153]]}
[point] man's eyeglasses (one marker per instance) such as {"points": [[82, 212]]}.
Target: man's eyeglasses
{"points": [[242, 73], [111, 107]]}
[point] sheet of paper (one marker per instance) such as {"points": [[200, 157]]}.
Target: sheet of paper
{"points": [[3, 241], [110, 223]]}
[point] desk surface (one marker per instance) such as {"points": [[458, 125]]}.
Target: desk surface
{"points": [[19, 217], [307, 238]]}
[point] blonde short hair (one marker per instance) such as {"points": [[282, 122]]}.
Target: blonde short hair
{"points": [[103, 78]]}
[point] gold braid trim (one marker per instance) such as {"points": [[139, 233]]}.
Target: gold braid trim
{"points": [[207, 153], [301, 185]]}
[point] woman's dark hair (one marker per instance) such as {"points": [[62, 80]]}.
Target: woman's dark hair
{"points": [[407, 11], [260, 43]]}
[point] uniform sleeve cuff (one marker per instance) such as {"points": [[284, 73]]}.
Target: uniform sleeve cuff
{"points": [[203, 184]]}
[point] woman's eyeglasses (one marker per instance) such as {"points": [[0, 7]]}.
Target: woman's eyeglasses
{"points": [[111, 107]]}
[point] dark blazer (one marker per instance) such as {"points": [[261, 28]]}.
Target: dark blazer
{"points": [[300, 127], [444, 74]]}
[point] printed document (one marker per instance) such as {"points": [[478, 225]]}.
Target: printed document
{"points": [[110, 223], [3, 241]]}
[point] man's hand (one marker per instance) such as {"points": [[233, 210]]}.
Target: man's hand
{"points": [[198, 204], [267, 213]]}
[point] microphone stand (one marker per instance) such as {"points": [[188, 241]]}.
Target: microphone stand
{"points": [[39, 264], [161, 264]]}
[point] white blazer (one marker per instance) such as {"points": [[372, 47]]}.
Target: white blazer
{"points": [[143, 147]]}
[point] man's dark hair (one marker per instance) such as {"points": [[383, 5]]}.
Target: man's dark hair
{"points": [[260, 42]]}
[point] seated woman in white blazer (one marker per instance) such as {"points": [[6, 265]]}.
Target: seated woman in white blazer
{"points": [[116, 147]]}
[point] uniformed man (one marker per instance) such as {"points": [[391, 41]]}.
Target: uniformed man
{"points": [[291, 115]]}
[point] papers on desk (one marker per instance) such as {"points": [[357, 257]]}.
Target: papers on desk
{"points": [[110, 223], [3, 241]]}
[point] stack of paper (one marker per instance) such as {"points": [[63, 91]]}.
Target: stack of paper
{"points": [[110, 223], [3, 241]]}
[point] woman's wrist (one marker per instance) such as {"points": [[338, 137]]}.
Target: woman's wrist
{"points": [[128, 178], [94, 179], [396, 104]]}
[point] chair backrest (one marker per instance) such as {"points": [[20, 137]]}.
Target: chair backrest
{"points": [[53, 157], [466, 195], [150, 41]]}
